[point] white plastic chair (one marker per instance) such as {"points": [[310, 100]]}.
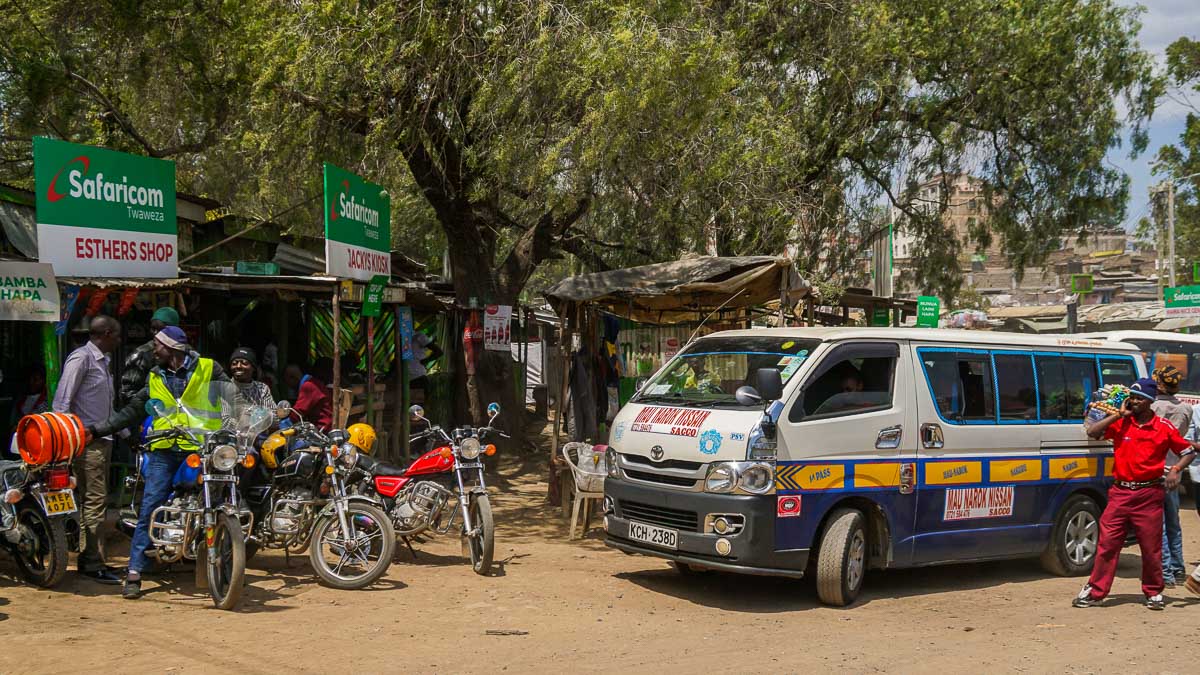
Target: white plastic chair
{"points": [[588, 469]]}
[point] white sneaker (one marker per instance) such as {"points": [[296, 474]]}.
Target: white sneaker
{"points": [[1156, 602]]}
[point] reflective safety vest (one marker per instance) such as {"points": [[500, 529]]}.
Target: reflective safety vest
{"points": [[199, 412]]}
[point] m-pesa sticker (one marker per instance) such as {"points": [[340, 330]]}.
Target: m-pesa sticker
{"points": [[672, 421], [985, 502]]}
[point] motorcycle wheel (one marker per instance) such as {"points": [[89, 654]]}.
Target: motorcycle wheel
{"points": [[483, 544], [227, 573], [375, 543], [42, 552]]}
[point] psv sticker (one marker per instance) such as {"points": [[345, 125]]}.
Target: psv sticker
{"points": [[787, 506], [987, 502]]}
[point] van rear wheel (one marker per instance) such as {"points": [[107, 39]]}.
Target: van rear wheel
{"points": [[842, 558], [1073, 541]]}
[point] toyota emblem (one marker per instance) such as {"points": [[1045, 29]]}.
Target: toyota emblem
{"points": [[656, 453]]}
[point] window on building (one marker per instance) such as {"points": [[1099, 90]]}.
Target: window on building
{"points": [[961, 385]]}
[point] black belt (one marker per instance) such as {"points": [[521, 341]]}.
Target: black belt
{"points": [[1138, 484]]}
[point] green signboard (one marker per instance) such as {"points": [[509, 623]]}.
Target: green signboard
{"points": [[104, 213], [1196, 271], [258, 268], [373, 297], [358, 230], [880, 317], [1181, 300], [1082, 283], [929, 308]]}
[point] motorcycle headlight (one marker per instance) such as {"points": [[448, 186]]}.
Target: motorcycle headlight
{"points": [[348, 455], [224, 457], [721, 478], [757, 479], [470, 448], [610, 462]]}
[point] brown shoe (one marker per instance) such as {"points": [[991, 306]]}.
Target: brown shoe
{"points": [[1192, 584]]}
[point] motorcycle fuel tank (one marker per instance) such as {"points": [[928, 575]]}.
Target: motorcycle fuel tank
{"points": [[429, 463]]}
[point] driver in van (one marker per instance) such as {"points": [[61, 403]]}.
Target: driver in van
{"points": [[195, 392], [1141, 440]]}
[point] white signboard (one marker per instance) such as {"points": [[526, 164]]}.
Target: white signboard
{"points": [[984, 502], [28, 292], [497, 327]]}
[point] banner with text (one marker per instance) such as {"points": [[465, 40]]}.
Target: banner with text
{"points": [[1181, 301], [358, 226], [28, 292], [104, 213]]}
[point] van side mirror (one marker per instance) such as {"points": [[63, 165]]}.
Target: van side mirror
{"points": [[769, 384]]}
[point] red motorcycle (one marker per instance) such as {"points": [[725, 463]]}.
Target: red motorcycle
{"points": [[438, 487]]}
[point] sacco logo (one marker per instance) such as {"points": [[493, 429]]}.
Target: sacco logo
{"points": [[352, 209], [97, 189]]}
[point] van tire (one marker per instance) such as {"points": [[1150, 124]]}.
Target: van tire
{"points": [[842, 558], [1078, 524]]}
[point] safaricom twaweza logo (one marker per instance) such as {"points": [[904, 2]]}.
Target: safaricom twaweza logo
{"points": [[96, 188], [355, 210]]}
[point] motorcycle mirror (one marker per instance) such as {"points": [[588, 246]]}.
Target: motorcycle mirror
{"points": [[283, 405], [417, 412], [493, 409], [155, 408]]}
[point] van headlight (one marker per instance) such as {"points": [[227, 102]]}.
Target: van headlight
{"points": [[610, 463], [756, 478], [721, 477], [224, 457]]}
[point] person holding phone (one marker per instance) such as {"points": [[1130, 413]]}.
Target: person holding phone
{"points": [[1141, 440]]}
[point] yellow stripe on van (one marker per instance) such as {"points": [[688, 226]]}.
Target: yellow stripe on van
{"points": [[1010, 470], [953, 473], [1068, 468], [811, 477], [877, 474], [1110, 464]]}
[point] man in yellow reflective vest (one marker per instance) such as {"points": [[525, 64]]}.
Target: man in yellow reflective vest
{"points": [[197, 395]]}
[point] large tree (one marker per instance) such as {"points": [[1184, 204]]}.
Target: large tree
{"points": [[615, 131]]}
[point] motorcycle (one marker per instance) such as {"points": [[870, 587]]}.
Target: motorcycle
{"points": [[203, 518], [304, 504], [439, 486], [37, 515]]}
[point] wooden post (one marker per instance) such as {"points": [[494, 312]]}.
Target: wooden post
{"points": [[370, 414], [337, 351]]}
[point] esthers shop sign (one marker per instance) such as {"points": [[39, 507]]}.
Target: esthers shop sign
{"points": [[104, 213], [358, 231]]}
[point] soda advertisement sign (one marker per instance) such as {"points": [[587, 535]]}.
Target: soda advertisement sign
{"points": [[358, 226], [104, 213]]}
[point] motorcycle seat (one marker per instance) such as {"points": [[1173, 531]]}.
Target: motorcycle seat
{"points": [[382, 469]]}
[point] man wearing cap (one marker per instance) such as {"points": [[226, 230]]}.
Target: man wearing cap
{"points": [[1167, 406], [195, 392], [141, 360], [1141, 441], [243, 364]]}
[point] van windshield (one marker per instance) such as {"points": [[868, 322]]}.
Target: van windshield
{"points": [[1183, 355], [709, 371]]}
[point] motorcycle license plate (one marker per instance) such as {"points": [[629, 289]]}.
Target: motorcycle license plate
{"points": [[59, 503], [656, 536]]}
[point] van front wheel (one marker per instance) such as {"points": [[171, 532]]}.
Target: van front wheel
{"points": [[1073, 541], [842, 558]]}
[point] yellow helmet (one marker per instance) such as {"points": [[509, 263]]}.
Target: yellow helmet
{"points": [[362, 436], [270, 446]]}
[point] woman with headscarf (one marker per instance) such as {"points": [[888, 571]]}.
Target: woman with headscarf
{"points": [[315, 400]]}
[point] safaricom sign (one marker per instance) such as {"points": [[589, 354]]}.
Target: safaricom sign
{"points": [[358, 232], [104, 213]]}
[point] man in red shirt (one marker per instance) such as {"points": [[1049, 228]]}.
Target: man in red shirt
{"points": [[1141, 440]]}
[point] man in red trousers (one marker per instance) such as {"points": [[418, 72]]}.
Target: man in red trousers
{"points": [[1141, 440]]}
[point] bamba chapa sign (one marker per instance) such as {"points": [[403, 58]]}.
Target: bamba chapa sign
{"points": [[28, 292]]}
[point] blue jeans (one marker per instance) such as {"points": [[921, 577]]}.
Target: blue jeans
{"points": [[1173, 564], [158, 475]]}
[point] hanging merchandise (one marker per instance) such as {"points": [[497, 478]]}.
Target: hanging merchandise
{"points": [[96, 303], [128, 298]]}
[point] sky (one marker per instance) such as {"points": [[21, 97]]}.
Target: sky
{"points": [[1163, 22]]}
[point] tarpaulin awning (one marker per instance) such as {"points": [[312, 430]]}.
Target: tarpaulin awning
{"points": [[683, 290], [110, 282], [20, 227]]}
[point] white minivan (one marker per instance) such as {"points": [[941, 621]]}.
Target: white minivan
{"points": [[833, 451]]}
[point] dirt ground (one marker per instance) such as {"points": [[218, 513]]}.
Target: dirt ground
{"points": [[580, 605]]}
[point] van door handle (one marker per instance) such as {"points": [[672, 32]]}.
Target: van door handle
{"points": [[889, 438], [931, 436]]}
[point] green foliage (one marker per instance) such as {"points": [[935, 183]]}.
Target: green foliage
{"points": [[1180, 163], [620, 132]]}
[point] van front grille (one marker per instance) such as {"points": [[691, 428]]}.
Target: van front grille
{"points": [[660, 515], [660, 478]]}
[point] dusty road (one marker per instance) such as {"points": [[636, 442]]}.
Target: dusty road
{"points": [[582, 606]]}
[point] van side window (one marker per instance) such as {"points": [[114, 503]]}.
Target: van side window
{"points": [[961, 385], [1064, 385], [1117, 371], [1016, 388], [854, 383]]}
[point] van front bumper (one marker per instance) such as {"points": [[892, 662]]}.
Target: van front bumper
{"points": [[753, 548]]}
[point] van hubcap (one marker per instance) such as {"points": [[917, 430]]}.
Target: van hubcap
{"points": [[1081, 536], [857, 561]]}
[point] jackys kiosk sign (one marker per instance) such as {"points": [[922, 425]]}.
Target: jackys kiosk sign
{"points": [[358, 226], [104, 213]]}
